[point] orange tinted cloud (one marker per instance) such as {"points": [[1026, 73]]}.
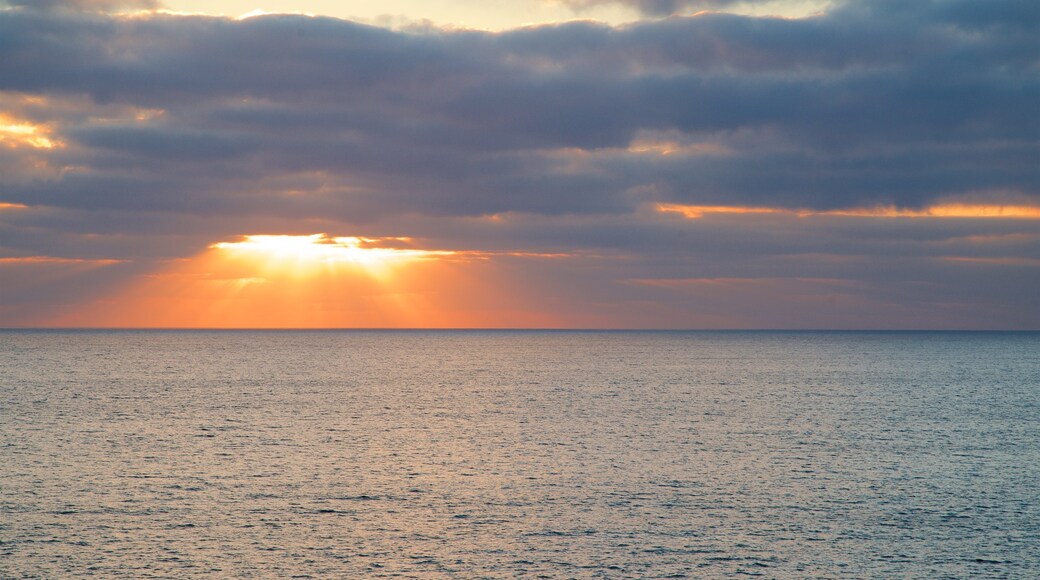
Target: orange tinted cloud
{"points": [[20, 133], [951, 210], [699, 211], [665, 148], [53, 260]]}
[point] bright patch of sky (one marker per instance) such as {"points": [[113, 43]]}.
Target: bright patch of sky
{"points": [[480, 14]]}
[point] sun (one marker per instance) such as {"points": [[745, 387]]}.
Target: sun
{"points": [[314, 253]]}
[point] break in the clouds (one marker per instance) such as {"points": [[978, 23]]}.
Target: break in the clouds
{"points": [[149, 137]]}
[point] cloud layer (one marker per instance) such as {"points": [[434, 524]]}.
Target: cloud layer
{"points": [[169, 132]]}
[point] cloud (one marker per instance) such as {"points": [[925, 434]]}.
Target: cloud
{"points": [[172, 132], [82, 5], [657, 7], [811, 110]]}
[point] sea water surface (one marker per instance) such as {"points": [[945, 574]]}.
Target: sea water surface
{"points": [[499, 454]]}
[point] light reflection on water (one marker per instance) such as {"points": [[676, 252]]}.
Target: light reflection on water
{"points": [[497, 454]]}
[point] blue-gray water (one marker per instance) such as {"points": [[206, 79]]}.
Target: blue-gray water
{"points": [[503, 454]]}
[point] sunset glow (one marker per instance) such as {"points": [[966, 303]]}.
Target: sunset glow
{"points": [[17, 133], [318, 250], [519, 288], [517, 163], [952, 210], [319, 281], [699, 211]]}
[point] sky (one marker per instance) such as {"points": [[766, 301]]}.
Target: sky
{"points": [[520, 164]]}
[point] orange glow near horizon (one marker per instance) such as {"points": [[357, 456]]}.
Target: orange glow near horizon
{"points": [[950, 210], [320, 281]]}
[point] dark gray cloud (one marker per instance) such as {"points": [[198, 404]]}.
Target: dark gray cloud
{"points": [[870, 103], [659, 7]]}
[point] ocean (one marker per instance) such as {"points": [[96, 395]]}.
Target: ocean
{"points": [[501, 454]]}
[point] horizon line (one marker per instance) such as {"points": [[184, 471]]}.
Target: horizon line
{"points": [[497, 329]]}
